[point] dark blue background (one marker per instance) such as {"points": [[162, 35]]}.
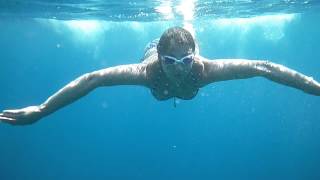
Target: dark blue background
{"points": [[246, 129]]}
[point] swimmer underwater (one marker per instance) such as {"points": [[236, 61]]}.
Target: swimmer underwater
{"points": [[171, 68]]}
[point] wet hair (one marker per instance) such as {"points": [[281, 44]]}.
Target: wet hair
{"points": [[175, 36]]}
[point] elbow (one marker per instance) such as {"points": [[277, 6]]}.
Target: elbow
{"points": [[90, 81], [263, 68]]}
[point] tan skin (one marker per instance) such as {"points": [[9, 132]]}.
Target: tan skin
{"points": [[135, 74]]}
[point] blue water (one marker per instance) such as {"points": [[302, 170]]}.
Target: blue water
{"points": [[242, 129]]}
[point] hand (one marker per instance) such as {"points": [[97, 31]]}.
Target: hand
{"points": [[22, 116]]}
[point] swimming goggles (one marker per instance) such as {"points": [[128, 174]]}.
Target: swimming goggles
{"points": [[188, 59]]}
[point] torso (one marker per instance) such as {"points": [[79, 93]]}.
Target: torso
{"points": [[162, 88]]}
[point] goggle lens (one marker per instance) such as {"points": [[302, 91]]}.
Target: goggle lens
{"points": [[187, 60], [169, 60], [172, 60]]}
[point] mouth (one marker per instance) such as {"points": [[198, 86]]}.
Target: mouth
{"points": [[179, 74]]}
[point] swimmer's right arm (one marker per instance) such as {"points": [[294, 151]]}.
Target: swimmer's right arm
{"points": [[133, 74]]}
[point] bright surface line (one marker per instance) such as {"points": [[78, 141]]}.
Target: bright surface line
{"points": [[85, 26]]}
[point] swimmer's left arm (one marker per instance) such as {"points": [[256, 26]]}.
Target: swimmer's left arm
{"points": [[229, 69]]}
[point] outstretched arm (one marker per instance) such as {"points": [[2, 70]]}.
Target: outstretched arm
{"points": [[224, 69], [133, 74]]}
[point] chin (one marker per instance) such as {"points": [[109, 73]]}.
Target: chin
{"points": [[180, 76]]}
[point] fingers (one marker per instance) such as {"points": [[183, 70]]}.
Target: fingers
{"points": [[8, 121], [12, 113], [15, 117], [5, 119]]}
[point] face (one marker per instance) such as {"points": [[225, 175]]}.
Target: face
{"points": [[177, 71]]}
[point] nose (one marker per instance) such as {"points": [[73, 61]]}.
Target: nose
{"points": [[180, 67]]}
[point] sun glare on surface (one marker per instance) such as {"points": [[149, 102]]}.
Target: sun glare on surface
{"points": [[269, 19], [273, 26], [186, 8], [165, 9], [85, 26]]}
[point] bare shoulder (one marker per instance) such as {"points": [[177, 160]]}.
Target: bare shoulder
{"points": [[208, 65], [223, 65], [217, 69], [129, 74], [202, 66], [126, 69]]}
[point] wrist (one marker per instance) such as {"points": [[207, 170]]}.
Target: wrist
{"points": [[42, 109]]}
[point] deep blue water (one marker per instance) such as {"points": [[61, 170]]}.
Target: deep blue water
{"points": [[242, 129]]}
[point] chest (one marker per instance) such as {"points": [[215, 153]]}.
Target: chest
{"points": [[163, 89]]}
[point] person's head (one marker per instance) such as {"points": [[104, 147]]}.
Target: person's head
{"points": [[176, 50]]}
